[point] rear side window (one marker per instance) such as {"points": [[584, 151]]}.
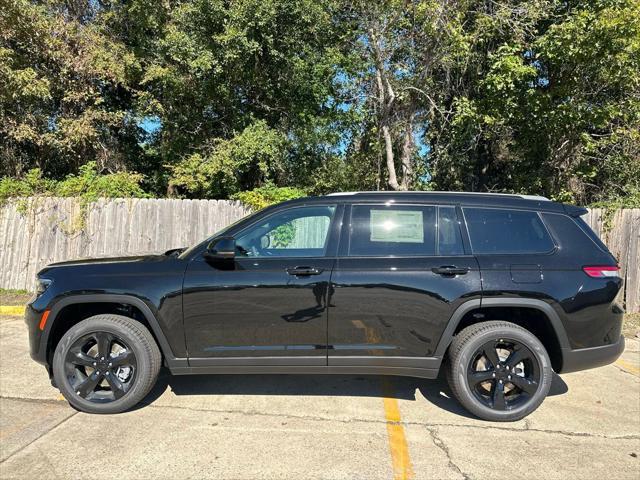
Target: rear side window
{"points": [[506, 231], [392, 230]]}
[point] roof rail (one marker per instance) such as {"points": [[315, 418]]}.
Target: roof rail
{"points": [[526, 197]]}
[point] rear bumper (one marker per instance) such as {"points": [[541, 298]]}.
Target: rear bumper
{"points": [[585, 358]]}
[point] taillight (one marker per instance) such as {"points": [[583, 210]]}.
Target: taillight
{"points": [[602, 271]]}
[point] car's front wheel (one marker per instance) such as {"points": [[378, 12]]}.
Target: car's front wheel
{"points": [[498, 370], [106, 364]]}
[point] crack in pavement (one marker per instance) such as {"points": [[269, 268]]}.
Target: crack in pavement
{"points": [[527, 428], [619, 367], [47, 432], [437, 441], [47, 401], [403, 422]]}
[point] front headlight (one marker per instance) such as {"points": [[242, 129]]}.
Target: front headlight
{"points": [[41, 285]]}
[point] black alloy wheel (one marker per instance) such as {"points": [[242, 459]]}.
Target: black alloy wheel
{"points": [[498, 370], [100, 367], [106, 364], [503, 374]]}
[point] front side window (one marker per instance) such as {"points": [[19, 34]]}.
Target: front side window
{"points": [[496, 231], [392, 230], [296, 232]]}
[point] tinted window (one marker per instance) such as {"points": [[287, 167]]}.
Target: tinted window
{"points": [[392, 230], [592, 235], [449, 236], [568, 233], [506, 231], [297, 232]]}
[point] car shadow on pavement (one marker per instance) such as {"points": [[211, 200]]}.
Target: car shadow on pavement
{"points": [[435, 391]]}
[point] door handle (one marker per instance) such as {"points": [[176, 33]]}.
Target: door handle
{"points": [[304, 271], [450, 270]]}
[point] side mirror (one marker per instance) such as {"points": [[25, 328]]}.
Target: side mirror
{"points": [[223, 248]]}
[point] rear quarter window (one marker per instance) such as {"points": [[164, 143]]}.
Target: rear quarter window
{"points": [[575, 235], [502, 231], [591, 234]]}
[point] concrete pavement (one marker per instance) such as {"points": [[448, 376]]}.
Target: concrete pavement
{"points": [[331, 427]]}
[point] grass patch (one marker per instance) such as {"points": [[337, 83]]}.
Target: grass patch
{"points": [[13, 297]]}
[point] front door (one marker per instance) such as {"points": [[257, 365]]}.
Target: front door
{"points": [[401, 272], [269, 305]]}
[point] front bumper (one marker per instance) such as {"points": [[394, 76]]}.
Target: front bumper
{"points": [[32, 319], [585, 358]]}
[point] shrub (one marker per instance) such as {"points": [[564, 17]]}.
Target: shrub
{"points": [[266, 195]]}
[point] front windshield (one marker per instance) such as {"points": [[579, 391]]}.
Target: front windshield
{"points": [[219, 233]]}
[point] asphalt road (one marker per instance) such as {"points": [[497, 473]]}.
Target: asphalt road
{"points": [[308, 427]]}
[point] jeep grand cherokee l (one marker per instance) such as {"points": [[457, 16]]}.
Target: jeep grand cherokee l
{"points": [[498, 290]]}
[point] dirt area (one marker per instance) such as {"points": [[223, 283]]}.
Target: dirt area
{"points": [[631, 325], [14, 297]]}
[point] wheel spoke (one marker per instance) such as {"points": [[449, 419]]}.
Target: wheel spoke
{"points": [[498, 396], [78, 357], [524, 384], [116, 385], [104, 344], [89, 384], [489, 351], [516, 357], [480, 377], [124, 358]]}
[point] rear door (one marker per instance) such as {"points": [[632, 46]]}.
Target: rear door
{"points": [[401, 272], [514, 250]]}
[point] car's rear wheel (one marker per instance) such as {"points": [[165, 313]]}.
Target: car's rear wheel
{"points": [[498, 371], [106, 364]]}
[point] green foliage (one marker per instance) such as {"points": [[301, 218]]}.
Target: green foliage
{"points": [[630, 199], [282, 236], [249, 159], [32, 184], [88, 185], [556, 110], [266, 195], [91, 185], [524, 96], [65, 90]]}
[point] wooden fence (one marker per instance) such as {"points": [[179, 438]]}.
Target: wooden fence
{"points": [[36, 232], [622, 236]]}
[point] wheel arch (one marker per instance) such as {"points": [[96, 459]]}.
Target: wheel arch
{"points": [[53, 326], [477, 311]]}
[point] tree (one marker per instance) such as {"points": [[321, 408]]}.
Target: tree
{"points": [[554, 109], [65, 91], [210, 98]]}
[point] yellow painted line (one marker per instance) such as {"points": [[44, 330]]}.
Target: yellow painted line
{"points": [[402, 469], [17, 310], [400, 459], [628, 366]]}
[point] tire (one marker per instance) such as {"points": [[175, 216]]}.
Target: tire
{"points": [[506, 391], [93, 381]]}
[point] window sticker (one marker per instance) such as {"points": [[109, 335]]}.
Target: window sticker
{"points": [[403, 226]]}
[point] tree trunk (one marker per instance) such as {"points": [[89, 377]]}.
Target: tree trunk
{"points": [[386, 96], [407, 156], [391, 167]]}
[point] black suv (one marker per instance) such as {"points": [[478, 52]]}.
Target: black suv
{"points": [[498, 290]]}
